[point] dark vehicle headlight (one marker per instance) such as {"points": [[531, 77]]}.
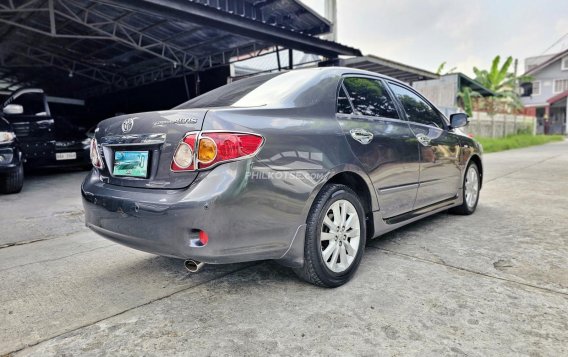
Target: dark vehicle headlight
{"points": [[6, 137]]}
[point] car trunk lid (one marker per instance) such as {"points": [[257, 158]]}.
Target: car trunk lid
{"points": [[146, 142]]}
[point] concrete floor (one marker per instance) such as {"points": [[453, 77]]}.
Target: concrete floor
{"points": [[494, 283]]}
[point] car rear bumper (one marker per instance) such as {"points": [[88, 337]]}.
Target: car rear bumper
{"points": [[242, 223]]}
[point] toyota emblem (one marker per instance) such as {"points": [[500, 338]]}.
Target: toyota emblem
{"points": [[127, 125]]}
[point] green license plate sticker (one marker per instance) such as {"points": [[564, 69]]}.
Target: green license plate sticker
{"points": [[131, 163]]}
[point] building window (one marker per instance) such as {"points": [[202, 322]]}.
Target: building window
{"points": [[536, 88], [565, 64], [560, 85]]}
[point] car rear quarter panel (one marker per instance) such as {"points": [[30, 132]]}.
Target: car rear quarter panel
{"points": [[304, 148], [304, 142]]}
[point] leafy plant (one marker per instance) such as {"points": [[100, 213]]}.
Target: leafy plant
{"points": [[502, 82], [466, 97], [441, 68]]}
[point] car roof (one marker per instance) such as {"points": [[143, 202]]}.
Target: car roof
{"points": [[349, 71]]}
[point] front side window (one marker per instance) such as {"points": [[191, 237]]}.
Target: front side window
{"points": [[370, 97], [416, 108]]}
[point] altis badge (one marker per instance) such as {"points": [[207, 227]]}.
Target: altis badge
{"points": [[178, 121]]}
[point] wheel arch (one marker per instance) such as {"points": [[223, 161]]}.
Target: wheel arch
{"points": [[477, 160], [353, 177], [358, 184]]}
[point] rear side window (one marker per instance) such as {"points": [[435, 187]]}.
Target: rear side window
{"points": [[416, 108], [370, 97], [343, 104]]}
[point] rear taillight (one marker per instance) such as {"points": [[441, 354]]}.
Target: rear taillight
{"points": [[184, 157], [227, 146], [212, 148], [96, 159]]}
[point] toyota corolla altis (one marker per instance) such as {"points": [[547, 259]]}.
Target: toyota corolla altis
{"points": [[302, 167]]}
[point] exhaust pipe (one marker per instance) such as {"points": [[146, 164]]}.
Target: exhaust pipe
{"points": [[193, 266]]}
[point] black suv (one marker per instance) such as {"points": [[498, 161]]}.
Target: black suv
{"points": [[11, 163], [46, 139]]}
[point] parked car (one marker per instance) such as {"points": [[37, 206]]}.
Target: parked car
{"points": [[72, 145], [11, 162], [301, 167], [46, 139]]}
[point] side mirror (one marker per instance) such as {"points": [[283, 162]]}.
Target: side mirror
{"points": [[458, 120], [13, 109]]}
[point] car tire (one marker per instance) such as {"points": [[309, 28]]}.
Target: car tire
{"points": [[471, 185], [12, 182], [321, 239]]}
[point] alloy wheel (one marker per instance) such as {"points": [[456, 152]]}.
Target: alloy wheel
{"points": [[340, 236], [471, 187]]}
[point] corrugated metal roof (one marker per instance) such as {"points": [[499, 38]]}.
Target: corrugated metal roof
{"points": [[77, 45], [402, 72]]}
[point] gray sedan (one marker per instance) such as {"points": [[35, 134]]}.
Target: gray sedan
{"points": [[301, 167]]}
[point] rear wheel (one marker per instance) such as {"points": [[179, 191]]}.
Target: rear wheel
{"points": [[335, 237], [471, 188], [12, 182]]}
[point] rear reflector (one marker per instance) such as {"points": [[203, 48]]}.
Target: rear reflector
{"points": [[203, 237]]}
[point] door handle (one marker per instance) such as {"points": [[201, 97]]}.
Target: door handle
{"points": [[361, 135], [423, 139]]}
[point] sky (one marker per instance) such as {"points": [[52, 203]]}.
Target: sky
{"points": [[463, 33]]}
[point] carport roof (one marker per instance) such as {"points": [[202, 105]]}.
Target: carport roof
{"points": [[402, 72], [87, 47]]}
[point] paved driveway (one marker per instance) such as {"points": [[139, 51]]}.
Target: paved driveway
{"points": [[495, 283]]}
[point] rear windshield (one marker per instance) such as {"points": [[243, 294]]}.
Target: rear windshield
{"points": [[251, 92], [229, 94]]}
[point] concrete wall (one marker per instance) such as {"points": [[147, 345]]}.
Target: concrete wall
{"points": [[441, 92], [546, 77], [483, 125]]}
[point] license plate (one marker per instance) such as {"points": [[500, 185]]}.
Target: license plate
{"points": [[65, 156], [130, 163]]}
